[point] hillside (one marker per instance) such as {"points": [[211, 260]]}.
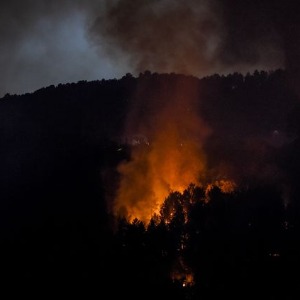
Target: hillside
{"points": [[61, 151]]}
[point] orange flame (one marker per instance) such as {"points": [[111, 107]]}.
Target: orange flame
{"points": [[174, 157]]}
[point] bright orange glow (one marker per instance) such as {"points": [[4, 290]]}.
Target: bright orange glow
{"points": [[225, 185], [173, 156], [173, 159]]}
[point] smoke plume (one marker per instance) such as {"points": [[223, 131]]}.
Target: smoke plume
{"points": [[53, 42], [45, 43], [190, 37], [187, 37]]}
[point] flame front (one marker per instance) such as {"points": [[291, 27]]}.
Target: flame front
{"points": [[173, 159]]}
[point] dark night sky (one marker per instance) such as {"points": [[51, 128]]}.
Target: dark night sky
{"points": [[51, 42]]}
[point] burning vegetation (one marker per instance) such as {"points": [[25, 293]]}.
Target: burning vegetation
{"points": [[167, 188], [198, 233], [174, 157]]}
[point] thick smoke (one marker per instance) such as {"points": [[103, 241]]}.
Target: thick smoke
{"points": [[186, 37], [45, 42], [163, 36], [50, 42], [193, 38], [190, 37]]}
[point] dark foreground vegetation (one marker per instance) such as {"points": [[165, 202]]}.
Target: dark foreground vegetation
{"points": [[58, 157]]}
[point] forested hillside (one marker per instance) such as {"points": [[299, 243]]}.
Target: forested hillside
{"points": [[61, 149]]}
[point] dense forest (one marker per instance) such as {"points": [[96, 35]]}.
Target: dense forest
{"points": [[60, 149]]}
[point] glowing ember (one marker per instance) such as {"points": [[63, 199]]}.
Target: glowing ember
{"points": [[182, 273], [226, 186]]}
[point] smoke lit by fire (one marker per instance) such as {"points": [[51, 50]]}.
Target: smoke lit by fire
{"points": [[174, 157], [167, 36], [226, 186]]}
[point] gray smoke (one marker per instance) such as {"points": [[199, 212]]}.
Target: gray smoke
{"points": [[58, 41], [191, 37]]}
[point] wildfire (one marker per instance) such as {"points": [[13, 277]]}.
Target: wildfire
{"points": [[174, 157]]}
